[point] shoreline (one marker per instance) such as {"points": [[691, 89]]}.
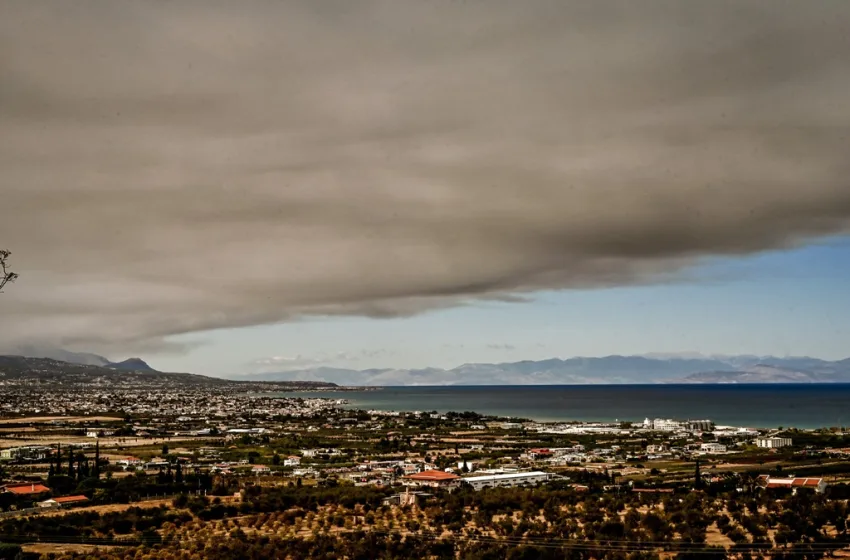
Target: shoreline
{"points": [[767, 406]]}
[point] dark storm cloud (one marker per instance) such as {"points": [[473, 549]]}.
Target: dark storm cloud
{"points": [[172, 167]]}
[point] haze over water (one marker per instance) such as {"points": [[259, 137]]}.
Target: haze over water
{"points": [[762, 406]]}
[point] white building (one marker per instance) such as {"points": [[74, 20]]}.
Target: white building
{"points": [[130, 462], [701, 425], [532, 478], [667, 425], [31, 452], [773, 442], [99, 433], [712, 448], [292, 461]]}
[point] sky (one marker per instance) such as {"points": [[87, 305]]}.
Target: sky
{"points": [[226, 189]]}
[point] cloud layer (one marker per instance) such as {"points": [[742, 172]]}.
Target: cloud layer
{"points": [[172, 167]]}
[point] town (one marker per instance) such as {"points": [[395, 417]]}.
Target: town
{"points": [[215, 458]]}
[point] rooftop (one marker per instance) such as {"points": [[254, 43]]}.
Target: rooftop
{"points": [[508, 476], [70, 499], [432, 476], [23, 489]]}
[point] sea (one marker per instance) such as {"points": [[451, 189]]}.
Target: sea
{"points": [[803, 406]]}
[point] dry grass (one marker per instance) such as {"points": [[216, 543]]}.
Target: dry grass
{"points": [[714, 537], [104, 442], [72, 419], [107, 508], [47, 548]]}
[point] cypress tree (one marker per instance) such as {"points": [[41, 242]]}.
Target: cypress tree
{"points": [[97, 459], [58, 458], [71, 462], [697, 477]]}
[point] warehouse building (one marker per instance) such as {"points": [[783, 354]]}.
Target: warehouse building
{"points": [[532, 478]]}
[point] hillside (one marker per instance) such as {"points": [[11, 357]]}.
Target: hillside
{"points": [[20, 370]]}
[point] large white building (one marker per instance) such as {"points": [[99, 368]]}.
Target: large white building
{"points": [[700, 425], [773, 442], [663, 425], [712, 448], [532, 478]]}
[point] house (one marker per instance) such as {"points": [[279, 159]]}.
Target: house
{"points": [[28, 489], [406, 498], [260, 469], [26, 453], [64, 501], [539, 453], [433, 479], [712, 448], [99, 433], [292, 461], [129, 462]]}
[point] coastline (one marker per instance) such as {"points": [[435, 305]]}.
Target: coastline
{"points": [[804, 406]]}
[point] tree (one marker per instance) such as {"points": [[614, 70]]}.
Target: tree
{"points": [[6, 275], [96, 459], [164, 450], [697, 477]]}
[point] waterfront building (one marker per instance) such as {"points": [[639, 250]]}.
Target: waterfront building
{"points": [[700, 425]]}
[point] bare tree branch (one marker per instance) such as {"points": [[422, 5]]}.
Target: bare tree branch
{"points": [[6, 275]]}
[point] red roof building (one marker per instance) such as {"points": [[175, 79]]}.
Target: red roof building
{"points": [[71, 499], [28, 489], [769, 482], [433, 479], [539, 453]]}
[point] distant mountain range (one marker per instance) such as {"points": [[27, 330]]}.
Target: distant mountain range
{"points": [[653, 368], [20, 370], [81, 358], [83, 370], [582, 371]]}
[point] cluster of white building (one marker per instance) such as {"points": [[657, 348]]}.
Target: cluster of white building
{"points": [[670, 425]]}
